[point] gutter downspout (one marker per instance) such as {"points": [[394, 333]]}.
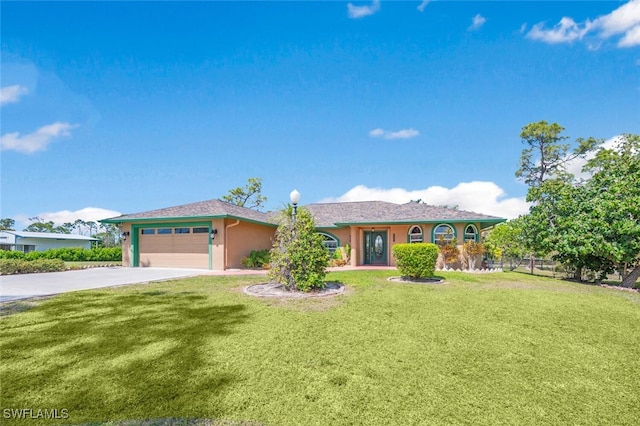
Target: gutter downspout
{"points": [[226, 241]]}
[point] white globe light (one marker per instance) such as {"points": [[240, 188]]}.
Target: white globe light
{"points": [[295, 197]]}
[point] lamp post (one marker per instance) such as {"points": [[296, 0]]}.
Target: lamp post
{"points": [[295, 198]]}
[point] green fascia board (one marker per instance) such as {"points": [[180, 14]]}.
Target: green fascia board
{"points": [[142, 220], [489, 222]]}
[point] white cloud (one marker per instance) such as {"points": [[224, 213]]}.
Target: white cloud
{"points": [[623, 21], [631, 38], [423, 5], [87, 214], [400, 134], [480, 197], [575, 166], [36, 141], [566, 31], [356, 12], [476, 22], [12, 94]]}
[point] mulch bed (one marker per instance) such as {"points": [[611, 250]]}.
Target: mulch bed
{"points": [[277, 290], [409, 280]]}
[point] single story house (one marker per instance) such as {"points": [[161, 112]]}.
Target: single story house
{"points": [[25, 241], [217, 235]]}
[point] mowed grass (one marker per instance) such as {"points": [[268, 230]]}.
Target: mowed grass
{"points": [[503, 348]]}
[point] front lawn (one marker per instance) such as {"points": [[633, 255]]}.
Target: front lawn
{"points": [[503, 348]]}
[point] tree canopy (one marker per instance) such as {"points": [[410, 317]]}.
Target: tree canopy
{"points": [[7, 224], [249, 196], [546, 156], [592, 224]]}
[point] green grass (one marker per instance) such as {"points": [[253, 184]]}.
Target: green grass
{"points": [[504, 348]]}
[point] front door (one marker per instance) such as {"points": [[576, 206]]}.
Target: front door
{"points": [[375, 248]]}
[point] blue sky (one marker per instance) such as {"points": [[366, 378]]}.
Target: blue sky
{"points": [[112, 108]]}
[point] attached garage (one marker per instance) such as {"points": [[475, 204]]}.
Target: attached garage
{"points": [[209, 234], [174, 246]]}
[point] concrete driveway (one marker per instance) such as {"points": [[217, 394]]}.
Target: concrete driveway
{"points": [[13, 287]]}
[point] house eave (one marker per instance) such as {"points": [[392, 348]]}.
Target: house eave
{"points": [[489, 222], [142, 220]]}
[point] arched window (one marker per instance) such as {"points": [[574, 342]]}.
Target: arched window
{"points": [[443, 234], [415, 234], [330, 242], [470, 233]]}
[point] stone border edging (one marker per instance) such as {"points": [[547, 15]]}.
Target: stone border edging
{"points": [[407, 280], [277, 290]]}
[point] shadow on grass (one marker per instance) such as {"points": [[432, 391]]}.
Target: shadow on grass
{"points": [[107, 357], [175, 422]]}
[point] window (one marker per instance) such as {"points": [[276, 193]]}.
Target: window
{"points": [[470, 233], [443, 234], [181, 230], [164, 231], [202, 230], [148, 231], [415, 234], [331, 243], [28, 248]]}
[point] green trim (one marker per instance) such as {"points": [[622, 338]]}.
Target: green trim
{"points": [[464, 232], [451, 224], [409, 232], [186, 218], [412, 222], [135, 228]]}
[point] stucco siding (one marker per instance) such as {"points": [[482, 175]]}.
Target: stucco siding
{"points": [[245, 237]]}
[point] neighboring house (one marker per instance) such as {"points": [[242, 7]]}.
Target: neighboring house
{"points": [[217, 235], [41, 241]]}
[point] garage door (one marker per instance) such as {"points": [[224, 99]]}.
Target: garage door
{"points": [[174, 247]]}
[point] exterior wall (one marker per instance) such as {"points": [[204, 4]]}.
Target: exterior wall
{"points": [[235, 239], [127, 253], [398, 234], [42, 244], [217, 245], [244, 237]]}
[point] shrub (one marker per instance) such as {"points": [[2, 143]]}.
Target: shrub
{"points": [[416, 260], [21, 266], [450, 252], [471, 250], [5, 254], [298, 259], [75, 254], [257, 259]]}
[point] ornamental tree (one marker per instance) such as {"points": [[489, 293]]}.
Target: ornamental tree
{"points": [[449, 251], [471, 250], [507, 239], [298, 259]]}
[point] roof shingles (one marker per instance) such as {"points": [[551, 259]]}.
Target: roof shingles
{"points": [[325, 214]]}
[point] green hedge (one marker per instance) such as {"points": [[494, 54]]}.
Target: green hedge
{"points": [[98, 254], [22, 266], [416, 260]]}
